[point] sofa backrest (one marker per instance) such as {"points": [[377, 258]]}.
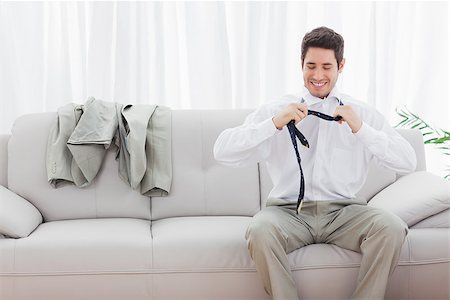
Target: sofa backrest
{"points": [[200, 186], [108, 196]]}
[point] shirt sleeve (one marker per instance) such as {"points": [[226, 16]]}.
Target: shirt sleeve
{"points": [[388, 147], [248, 143]]}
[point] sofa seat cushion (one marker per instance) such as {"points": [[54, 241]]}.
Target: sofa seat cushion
{"points": [[209, 244], [205, 243], [428, 246], [89, 246], [190, 250]]}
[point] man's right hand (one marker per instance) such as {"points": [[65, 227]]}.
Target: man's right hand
{"points": [[294, 111]]}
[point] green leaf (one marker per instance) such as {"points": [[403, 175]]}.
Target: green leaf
{"points": [[430, 141], [442, 139], [437, 136]]}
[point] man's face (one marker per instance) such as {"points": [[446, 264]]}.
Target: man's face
{"points": [[320, 71]]}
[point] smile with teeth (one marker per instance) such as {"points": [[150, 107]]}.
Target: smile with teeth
{"points": [[318, 84]]}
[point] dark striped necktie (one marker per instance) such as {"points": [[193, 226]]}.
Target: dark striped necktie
{"points": [[294, 132]]}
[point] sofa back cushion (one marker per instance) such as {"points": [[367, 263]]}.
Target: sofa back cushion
{"points": [[108, 196], [201, 186]]}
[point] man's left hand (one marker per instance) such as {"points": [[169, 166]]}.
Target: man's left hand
{"points": [[348, 116]]}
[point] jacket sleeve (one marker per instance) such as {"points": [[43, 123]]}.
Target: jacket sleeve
{"points": [[247, 143], [387, 146]]}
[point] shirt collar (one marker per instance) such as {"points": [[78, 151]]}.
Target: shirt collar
{"points": [[311, 100]]}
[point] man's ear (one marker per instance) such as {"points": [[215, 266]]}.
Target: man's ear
{"points": [[341, 66]]}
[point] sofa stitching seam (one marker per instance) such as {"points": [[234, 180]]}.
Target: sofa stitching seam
{"points": [[408, 241], [202, 143], [211, 270], [260, 186], [152, 260]]}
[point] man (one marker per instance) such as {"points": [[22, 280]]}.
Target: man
{"points": [[313, 199]]}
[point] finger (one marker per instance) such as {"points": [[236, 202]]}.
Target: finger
{"points": [[336, 113], [302, 115], [294, 116], [339, 115], [303, 108]]}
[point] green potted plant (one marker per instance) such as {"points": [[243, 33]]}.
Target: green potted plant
{"points": [[432, 136]]}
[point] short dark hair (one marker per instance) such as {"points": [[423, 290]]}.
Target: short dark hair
{"points": [[326, 38]]}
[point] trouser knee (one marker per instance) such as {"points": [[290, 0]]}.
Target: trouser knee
{"points": [[264, 232], [393, 228]]}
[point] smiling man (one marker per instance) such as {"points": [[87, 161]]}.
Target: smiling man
{"points": [[313, 199]]}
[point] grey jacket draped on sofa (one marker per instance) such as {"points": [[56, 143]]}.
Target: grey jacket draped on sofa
{"points": [[81, 134]]}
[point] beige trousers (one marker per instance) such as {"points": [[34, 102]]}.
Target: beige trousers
{"points": [[277, 230]]}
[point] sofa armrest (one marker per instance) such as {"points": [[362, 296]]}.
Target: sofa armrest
{"points": [[18, 217], [414, 197]]}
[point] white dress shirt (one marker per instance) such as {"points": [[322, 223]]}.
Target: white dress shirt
{"points": [[336, 163]]}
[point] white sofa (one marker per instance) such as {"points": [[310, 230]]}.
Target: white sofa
{"points": [[107, 241]]}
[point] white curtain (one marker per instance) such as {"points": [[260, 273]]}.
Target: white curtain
{"points": [[217, 54]]}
